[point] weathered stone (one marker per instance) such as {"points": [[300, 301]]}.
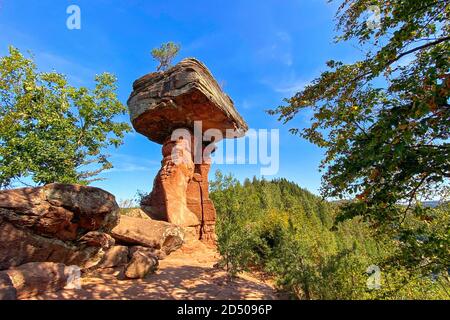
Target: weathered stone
{"points": [[57, 223], [135, 213], [115, 256], [149, 233], [183, 100], [19, 246], [117, 272], [37, 277], [7, 290], [60, 211], [157, 253], [168, 200], [141, 264], [164, 101], [198, 202]]}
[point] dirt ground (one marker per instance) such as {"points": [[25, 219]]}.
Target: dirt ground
{"points": [[188, 273]]}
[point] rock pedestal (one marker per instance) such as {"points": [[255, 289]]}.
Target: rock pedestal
{"points": [[168, 200], [180, 98], [181, 191], [199, 203]]}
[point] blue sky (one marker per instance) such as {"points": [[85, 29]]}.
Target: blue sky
{"points": [[261, 51]]}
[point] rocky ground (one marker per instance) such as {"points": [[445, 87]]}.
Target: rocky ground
{"points": [[187, 273]]}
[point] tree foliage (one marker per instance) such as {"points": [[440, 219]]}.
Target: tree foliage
{"points": [[51, 131], [165, 54], [288, 233], [384, 120]]}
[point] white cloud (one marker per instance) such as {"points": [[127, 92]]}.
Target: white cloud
{"points": [[128, 163], [293, 87], [77, 73], [278, 48]]}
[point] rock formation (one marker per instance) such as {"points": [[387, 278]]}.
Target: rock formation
{"points": [[158, 235], [33, 278], [180, 98], [56, 223]]}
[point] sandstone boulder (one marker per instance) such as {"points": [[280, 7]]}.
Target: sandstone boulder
{"points": [[176, 108], [141, 264], [19, 246], [135, 213], [37, 277], [7, 290], [60, 211], [159, 235], [55, 223], [157, 253], [164, 101], [114, 257]]}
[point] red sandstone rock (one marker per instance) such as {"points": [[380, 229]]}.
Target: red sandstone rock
{"points": [[37, 277], [56, 223], [162, 102], [19, 246], [114, 257], [7, 290], [149, 233], [59, 210], [141, 264], [168, 200]]}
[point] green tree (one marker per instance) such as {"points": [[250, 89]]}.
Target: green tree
{"points": [[384, 120], [165, 54], [51, 131]]}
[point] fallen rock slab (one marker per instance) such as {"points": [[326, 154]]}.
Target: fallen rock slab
{"points": [[56, 223], [37, 277], [155, 234], [141, 264], [7, 290]]}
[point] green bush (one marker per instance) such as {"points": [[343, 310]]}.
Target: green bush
{"points": [[290, 234]]}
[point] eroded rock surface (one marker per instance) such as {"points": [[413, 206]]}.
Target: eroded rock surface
{"points": [[159, 235], [35, 278], [184, 98], [61, 211], [55, 223], [164, 101], [141, 264]]}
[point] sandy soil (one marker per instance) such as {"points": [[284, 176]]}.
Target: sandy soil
{"points": [[188, 273]]}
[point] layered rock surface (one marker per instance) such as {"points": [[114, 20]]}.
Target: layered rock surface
{"points": [[164, 101], [181, 98], [154, 234], [34, 278], [56, 223]]}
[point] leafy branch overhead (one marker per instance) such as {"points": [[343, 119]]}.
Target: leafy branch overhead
{"points": [[51, 131], [384, 120], [165, 54]]}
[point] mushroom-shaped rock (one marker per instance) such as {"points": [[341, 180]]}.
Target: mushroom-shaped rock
{"points": [[184, 97], [164, 101]]}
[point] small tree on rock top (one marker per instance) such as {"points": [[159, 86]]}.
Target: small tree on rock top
{"points": [[165, 54]]}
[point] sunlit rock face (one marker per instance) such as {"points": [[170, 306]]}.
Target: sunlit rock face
{"points": [[164, 101], [181, 98], [61, 223]]}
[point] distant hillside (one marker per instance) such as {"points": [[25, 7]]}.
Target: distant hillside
{"points": [[259, 195]]}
